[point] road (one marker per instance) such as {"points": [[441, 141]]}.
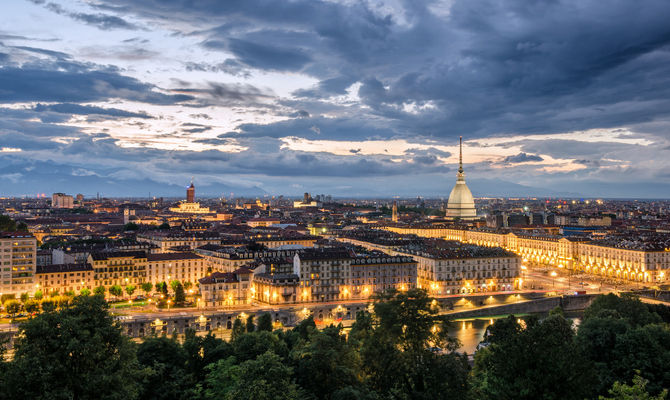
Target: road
{"points": [[564, 280]]}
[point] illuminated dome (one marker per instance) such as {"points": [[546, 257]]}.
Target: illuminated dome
{"points": [[461, 204]]}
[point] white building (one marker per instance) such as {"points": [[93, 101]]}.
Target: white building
{"points": [[461, 204]]}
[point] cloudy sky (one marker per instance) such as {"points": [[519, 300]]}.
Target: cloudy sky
{"points": [[339, 97]]}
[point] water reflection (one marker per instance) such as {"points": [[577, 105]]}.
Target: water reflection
{"points": [[471, 332]]}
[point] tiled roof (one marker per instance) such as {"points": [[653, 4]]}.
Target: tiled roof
{"points": [[172, 256], [54, 268]]}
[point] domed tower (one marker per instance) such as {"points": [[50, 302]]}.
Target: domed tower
{"points": [[461, 205], [190, 193]]}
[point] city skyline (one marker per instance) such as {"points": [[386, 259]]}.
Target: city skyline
{"points": [[360, 99]]}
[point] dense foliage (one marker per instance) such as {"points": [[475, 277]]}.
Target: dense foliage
{"points": [[9, 225], [399, 351]]}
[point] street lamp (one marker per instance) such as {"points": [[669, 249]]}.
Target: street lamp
{"points": [[523, 274], [553, 280]]}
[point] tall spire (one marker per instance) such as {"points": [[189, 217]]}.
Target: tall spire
{"points": [[460, 155]]}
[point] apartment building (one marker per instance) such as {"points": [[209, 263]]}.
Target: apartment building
{"points": [[226, 288], [119, 268], [62, 278], [18, 260], [184, 267]]}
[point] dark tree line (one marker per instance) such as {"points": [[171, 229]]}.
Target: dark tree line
{"points": [[400, 351]]}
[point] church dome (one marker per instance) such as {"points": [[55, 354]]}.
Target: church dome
{"points": [[461, 204]]}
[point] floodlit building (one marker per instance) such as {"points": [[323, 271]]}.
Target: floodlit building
{"points": [[461, 205], [183, 267], [190, 206], [226, 288], [64, 277]]}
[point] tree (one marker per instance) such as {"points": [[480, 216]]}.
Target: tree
{"points": [[164, 225], [115, 291], [620, 335], [85, 292], [38, 295], [238, 329], [130, 289], [99, 291], [146, 287], [626, 306], [173, 285], [638, 391], [265, 378], [31, 306], [48, 305], [250, 323], [188, 285], [168, 378], [9, 225], [12, 307], [131, 226], [164, 289], [24, 297], [179, 295], [407, 349], [248, 346], [265, 322], [540, 361], [327, 363], [81, 354], [7, 296]]}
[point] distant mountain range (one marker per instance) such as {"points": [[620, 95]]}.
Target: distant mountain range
{"points": [[48, 177]]}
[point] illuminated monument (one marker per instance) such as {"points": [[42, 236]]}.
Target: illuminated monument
{"points": [[190, 206], [461, 204]]}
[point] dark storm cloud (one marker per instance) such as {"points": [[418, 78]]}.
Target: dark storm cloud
{"points": [[259, 55], [70, 82], [559, 66], [102, 21], [557, 148], [521, 158], [315, 128], [70, 108], [228, 94]]}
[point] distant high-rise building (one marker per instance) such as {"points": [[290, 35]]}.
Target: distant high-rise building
{"points": [[80, 197], [62, 200], [461, 204], [19, 250], [394, 211], [190, 193]]}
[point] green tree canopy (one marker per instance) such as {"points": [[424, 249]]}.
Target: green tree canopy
{"points": [[265, 378], [179, 295], [265, 322], [100, 290], [77, 352], [540, 361], [9, 225], [131, 226], [146, 287], [116, 290]]}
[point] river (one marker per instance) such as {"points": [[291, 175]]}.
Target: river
{"points": [[471, 332]]}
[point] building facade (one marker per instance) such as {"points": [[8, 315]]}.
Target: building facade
{"points": [[18, 260]]}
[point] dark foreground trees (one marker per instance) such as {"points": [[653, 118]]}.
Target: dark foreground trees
{"points": [[620, 343], [399, 351], [74, 353]]}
